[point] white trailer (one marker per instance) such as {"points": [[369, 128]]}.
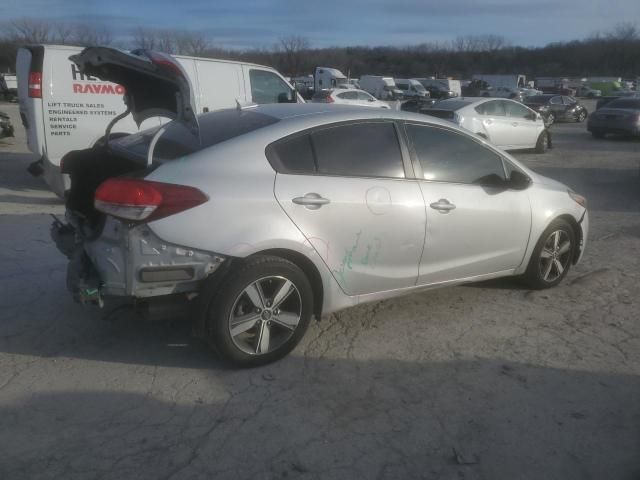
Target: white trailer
{"points": [[513, 81]]}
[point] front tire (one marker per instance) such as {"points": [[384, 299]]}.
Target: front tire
{"points": [[552, 257], [581, 116], [261, 312]]}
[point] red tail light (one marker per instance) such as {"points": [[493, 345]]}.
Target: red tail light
{"points": [[35, 84], [134, 199]]}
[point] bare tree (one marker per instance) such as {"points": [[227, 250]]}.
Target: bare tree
{"points": [[144, 38], [85, 35], [192, 43], [293, 51], [30, 30]]}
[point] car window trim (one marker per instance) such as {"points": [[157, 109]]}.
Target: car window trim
{"points": [[404, 153], [419, 173]]}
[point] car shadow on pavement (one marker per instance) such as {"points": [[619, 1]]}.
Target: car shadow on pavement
{"points": [[15, 176], [332, 418]]}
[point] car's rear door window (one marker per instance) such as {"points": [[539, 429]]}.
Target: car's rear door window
{"points": [[293, 155], [447, 156], [362, 149]]}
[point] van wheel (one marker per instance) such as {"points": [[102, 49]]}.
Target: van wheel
{"points": [[551, 258], [542, 143], [261, 312]]}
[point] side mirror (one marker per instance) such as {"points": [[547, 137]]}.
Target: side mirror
{"points": [[518, 180], [286, 97], [372, 99]]}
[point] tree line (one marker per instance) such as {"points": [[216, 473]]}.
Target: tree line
{"points": [[612, 53]]}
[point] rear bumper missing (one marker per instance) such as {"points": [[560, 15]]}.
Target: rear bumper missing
{"points": [[131, 261]]}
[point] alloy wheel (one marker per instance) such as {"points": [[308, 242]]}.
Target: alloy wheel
{"points": [[555, 256], [265, 315]]}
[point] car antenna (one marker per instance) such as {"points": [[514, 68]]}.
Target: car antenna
{"points": [[240, 106]]}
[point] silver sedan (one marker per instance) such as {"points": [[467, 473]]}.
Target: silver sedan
{"points": [[262, 218]]}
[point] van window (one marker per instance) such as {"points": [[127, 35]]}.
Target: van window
{"points": [[267, 87]]}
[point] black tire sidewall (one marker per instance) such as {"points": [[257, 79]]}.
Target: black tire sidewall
{"points": [[541, 144], [237, 280], [532, 276]]}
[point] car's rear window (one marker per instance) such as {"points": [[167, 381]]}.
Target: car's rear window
{"points": [[626, 103], [177, 141]]}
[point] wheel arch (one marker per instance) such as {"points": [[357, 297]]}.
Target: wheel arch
{"points": [[309, 269], [577, 231]]}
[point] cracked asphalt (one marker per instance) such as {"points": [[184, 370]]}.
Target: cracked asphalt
{"points": [[487, 381]]}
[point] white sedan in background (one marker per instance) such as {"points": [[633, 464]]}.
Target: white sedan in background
{"points": [[351, 96], [506, 123]]}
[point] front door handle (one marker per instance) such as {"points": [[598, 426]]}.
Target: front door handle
{"points": [[312, 201], [443, 205]]}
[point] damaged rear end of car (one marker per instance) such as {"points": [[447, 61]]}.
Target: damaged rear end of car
{"points": [[112, 250]]}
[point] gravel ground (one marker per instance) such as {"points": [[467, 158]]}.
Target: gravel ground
{"points": [[487, 381]]}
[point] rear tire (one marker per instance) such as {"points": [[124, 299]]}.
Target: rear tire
{"points": [[542, 143], [552, 256], [581, 116], [261, 312]]}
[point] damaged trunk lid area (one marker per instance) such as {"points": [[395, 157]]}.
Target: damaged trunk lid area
{"points": [[111, 250]]}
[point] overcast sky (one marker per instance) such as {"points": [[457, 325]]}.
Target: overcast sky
{"points": [[254, 23]]}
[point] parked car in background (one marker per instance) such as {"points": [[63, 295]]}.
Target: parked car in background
{"points": [[557, 108], [441, 87], [326, 210], [528, 92], [383, 88], [411, 88], [350, 96], [6, 128], [477, 88], [9, 87], [587, 91], [505, 123], [602, 101], [506, 92], [417, 104], [64, 109], [620, 116]]}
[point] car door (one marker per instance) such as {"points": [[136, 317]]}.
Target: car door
{"points": [[473, 228], [494, 122], [344, 186], [523, 125]]}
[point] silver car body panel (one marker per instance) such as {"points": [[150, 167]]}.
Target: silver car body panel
{"points": [[243, 216]]}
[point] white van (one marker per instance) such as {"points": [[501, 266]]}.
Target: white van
{"points": [[411, 88], [383, 88], [64, 110], [514, 81]]}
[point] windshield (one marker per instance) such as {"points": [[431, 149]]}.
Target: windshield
{"points": [[177, 141]]}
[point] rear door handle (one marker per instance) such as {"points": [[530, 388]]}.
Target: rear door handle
{"points": [[443, 205], [312, 201]]}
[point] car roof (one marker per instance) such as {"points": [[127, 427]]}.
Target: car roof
{"points": [[322, 113]]}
